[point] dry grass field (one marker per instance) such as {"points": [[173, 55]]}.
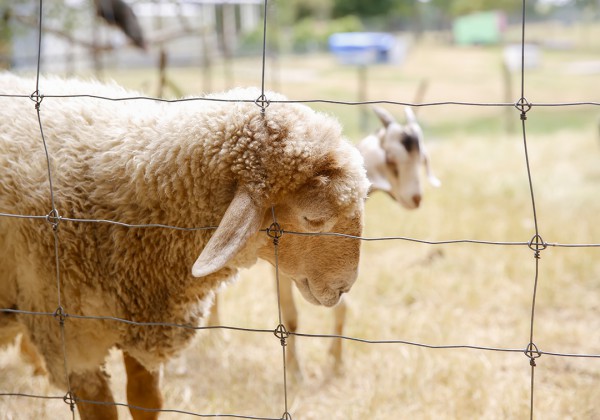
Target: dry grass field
{"points": [[462, 294]]}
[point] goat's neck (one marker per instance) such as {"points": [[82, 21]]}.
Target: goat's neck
{"points": [[374, 160]]}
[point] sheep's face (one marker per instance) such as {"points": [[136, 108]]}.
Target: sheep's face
{"points": [[329, 201], [322, 266], [403, 160], [317, 184]]}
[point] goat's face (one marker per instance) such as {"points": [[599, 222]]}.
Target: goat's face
{"points": [[394, 156], [322, 266], [403, 160]]}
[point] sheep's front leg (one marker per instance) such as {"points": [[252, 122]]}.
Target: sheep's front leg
{"points": [[338, 329], [289, 313], [93, 386], [142, 389]]}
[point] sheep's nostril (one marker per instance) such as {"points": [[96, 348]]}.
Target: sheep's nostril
{"points": [[416, 199]]}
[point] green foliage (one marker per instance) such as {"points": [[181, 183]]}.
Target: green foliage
{"points": [[449, 8], [311, 34], [18, 15], [362, 8], [306, 8], [463, 7]]}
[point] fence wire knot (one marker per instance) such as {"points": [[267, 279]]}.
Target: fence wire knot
{"points": [[524, 106], [533, 353], [282, 333], [69, 399], [262, 102], [60, 315], [286, 416], [53, 218], [274, 231], [37, 98], [537, 245]]}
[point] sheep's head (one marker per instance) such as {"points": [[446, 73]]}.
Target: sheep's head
{"points": [[395, 168], [312, 182], [322, 264]]}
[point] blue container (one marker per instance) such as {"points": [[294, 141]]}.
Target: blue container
{"points": [[362, 48]]}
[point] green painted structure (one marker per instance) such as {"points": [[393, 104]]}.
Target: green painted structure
{"points": [[482, 28]]}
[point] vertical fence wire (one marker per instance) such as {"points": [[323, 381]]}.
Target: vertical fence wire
{"points": [[53, 217], [536, 244], [275, 231]]}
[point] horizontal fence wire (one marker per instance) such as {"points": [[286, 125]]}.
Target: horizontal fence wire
{"points": [[535, 244], [297, 334], [289, 232], [305, 101]]}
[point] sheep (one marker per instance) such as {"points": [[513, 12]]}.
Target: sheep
{"points": [[191, 164], [393, 158]]}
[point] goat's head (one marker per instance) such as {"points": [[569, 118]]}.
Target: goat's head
{"points": [[397, 169]]}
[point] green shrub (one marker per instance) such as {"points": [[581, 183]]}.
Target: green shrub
{"points": [[311, 34]]}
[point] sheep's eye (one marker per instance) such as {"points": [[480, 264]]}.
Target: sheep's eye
{"points": [[315, 222], [320, 223]]}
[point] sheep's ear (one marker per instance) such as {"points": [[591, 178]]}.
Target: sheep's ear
{"points": [[242, 219], [385, 117]]}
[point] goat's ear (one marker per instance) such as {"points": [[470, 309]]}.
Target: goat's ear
{"points": [[242, 219], [410, 115], [385, 117], [433, 180]]}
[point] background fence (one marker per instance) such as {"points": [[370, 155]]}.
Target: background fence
{"points": [[536, 244]]}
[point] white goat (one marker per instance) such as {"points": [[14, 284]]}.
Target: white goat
{"points": [[191, 164]]}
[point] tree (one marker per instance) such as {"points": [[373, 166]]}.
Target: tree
{"points": [[363, 8], [463, 7]]}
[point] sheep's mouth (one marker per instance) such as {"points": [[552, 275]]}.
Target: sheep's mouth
{"points": [[308, 294], [304, 288]]}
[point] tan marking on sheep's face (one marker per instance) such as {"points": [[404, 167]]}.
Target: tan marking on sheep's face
{"points": [[323, 267]]}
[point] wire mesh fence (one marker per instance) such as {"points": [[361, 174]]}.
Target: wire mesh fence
{"points": [[536, 244]]}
